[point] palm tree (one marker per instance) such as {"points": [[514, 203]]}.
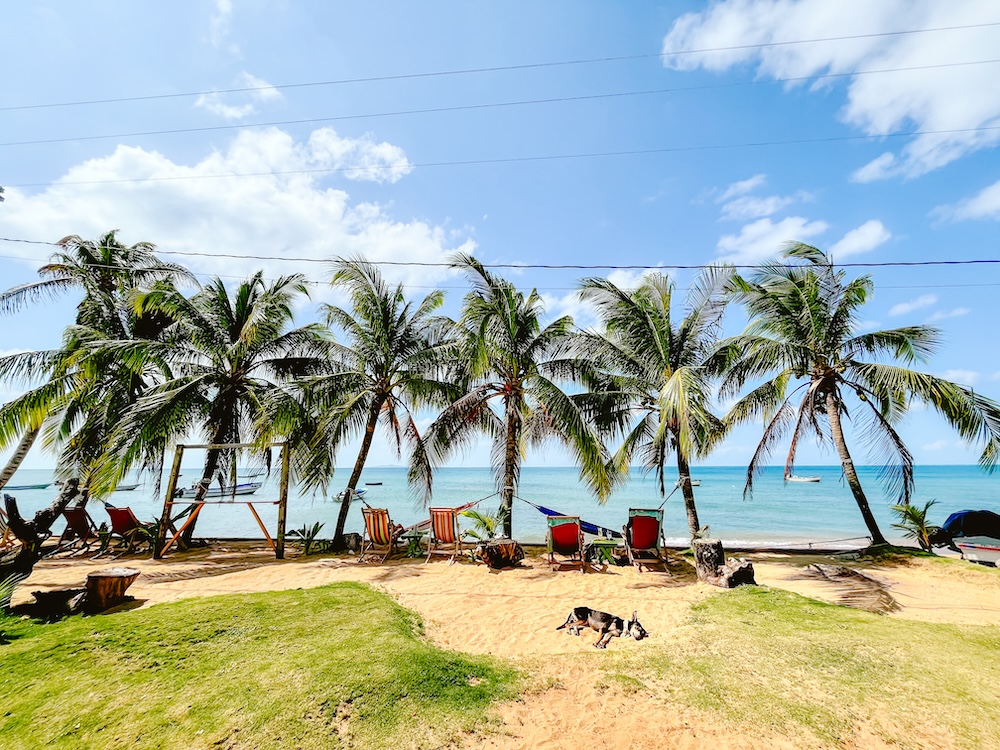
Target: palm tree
{"points": [[228, 356], [804, 337], [72, 398], [390, 366], [660, 371], [514, 366]]}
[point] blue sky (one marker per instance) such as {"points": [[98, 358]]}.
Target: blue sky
{"points": [[353, 170]]}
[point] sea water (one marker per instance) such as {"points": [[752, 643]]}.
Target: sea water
{"points": [[777, 514]]}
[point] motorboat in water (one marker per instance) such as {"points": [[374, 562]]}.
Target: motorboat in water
{"points": [[244, 488], [27, 487], [794, 478], [126, 487], [694, 483], [980, 549], [357, 493]]}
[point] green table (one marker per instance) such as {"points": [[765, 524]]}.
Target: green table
{"points": [[606, 550], [413, 539]]}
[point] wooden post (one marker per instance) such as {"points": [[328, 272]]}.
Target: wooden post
{"points": [[279, 551], [168, 504]]}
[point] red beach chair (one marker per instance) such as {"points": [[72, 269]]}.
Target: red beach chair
{"points": [[445, 538], [80, 531], [128, 528], [380, 534], [565, 537], [643, 536]]}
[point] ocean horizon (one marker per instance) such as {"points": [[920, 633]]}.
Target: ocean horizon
{"points": [[779, 514]]}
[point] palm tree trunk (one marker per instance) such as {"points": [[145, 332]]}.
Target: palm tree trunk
{"points": [[20, 452], [684, 472], [359, 465], [511, 456], [837, 430]]}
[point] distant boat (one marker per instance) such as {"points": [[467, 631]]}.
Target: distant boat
{"points": [[126, 487], [694, 483], [28, 486], [359, 493], [980, 549], [793, 478], [373, 484], [246, 488]]}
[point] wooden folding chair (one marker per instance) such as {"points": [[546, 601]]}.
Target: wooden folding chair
{"points": [[565, 538], [644, 537], [445, 537], [380, 534], [80, 532]]}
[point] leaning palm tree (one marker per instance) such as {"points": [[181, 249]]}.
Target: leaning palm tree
{"points": [[390, 366], [804, 339], [228, 354], [660, 371], [61, 390], [514, 366]]}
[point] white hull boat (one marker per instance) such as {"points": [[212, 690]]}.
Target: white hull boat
{"points": [[980, 549], [357, 493], [246, 488], [126, 487], [802, 479]]}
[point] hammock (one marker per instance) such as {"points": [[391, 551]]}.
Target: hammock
{"points": [[587, 526]]}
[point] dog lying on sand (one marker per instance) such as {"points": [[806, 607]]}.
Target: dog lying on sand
{"points": [[609, 626]]}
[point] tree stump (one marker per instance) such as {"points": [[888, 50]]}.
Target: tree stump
{"points": [[500, 553], [711, 566], [106, 588]]}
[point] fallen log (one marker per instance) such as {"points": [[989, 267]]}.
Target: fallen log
{"points": [[712, 567], [32, 534]]}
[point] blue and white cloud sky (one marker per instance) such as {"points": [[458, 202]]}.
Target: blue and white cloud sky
{"points": [[674, 133]]}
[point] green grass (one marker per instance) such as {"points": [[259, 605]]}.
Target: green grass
{"points": [[767, 660], [337, 666]]}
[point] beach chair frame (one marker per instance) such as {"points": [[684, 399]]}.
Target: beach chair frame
{"points": [[569, 545], [445, 536], [645, 556], [7, 539], [127, 528], [380, 535], [80, 532]]}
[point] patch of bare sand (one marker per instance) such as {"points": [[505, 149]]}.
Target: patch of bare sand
{"points": [[513, 614]]}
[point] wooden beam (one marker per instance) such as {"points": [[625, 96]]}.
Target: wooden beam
{"points": [[168, 504]]}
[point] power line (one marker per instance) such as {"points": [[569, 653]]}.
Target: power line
{"points": [[491, 105], [500, 68], [514, 159], [550, 266]]}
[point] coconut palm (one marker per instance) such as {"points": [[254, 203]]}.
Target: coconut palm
{"points": [[660, 371], [75, 400], [228, 354], [804, 339], [389, 366], [514, 366]]}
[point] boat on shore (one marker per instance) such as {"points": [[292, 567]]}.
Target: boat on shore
{"points": [[245, 488], [980, 549], [794, 478]]}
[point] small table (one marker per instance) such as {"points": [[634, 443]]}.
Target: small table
{"points": [[606, 550], [413, 546]]}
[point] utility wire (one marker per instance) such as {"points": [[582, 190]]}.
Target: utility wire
{"points": [[514, 159], [499, 68], [488, 105], [552, 266]]}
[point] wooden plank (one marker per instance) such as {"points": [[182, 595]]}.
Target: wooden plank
{"points": [[168, 504], [262, 527], [188, 522]]}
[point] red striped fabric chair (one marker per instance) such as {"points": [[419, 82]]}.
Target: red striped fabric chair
{"points": [[565, 538], [445, 538], [643, 537], [381, 534]]}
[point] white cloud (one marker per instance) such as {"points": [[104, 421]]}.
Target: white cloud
{"points": [[958, 98], [763, 238], [753, 207], [861, 239], [962, 377], [181, 207], [945, 314], [625, 278], [984, 205], [262, 92], [937, 445], [742, 188], [218, 24], [903, 308]]}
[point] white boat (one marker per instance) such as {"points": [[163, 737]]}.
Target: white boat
{"points": [[793, 478], [245, 488], [694, 483], [980, 549], [126, 487], [357, 493]]}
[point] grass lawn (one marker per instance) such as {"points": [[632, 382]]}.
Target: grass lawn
{"points": [[763, 659], [337, 666]]}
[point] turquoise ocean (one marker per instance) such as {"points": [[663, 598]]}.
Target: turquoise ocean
{"points": [[778, 514]]}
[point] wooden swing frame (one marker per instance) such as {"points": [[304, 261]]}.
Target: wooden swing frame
{"points": [[162, 545]]}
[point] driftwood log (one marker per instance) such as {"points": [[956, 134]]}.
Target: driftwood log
{"points": [[712, 567], [33, 533]]}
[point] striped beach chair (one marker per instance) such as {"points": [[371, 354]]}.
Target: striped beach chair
{"points": [[644, 537], [445, 537], [565, 538], [380, 534]]}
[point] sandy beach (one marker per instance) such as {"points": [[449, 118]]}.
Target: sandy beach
{"points": [[513, 615]]}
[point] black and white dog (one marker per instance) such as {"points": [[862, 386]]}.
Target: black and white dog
{"points": [[608, 626]]}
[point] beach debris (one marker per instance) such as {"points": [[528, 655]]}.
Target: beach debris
{"points": [[855, 589], [712, 567]]}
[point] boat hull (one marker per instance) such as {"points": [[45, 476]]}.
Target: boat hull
{"points": [[802, 479], [980, 549], [26, 487], [241, 489]]}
